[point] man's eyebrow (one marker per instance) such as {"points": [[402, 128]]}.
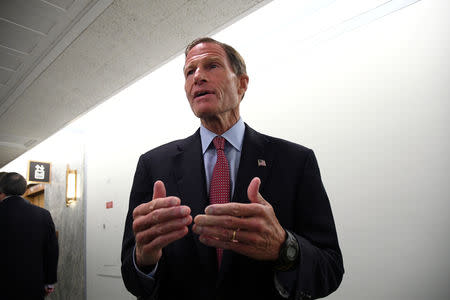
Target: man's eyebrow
{"points": [[185, 67], [213, 59]]}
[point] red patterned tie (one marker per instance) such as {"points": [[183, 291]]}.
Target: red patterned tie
{"points": [[219, 191]]}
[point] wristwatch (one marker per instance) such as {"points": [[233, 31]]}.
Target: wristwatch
{"points": [[289, 254]]}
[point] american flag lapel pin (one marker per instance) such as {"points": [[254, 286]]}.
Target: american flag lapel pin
{"points": [[261, 163]]}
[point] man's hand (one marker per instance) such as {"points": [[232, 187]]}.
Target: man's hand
{"points": [[158, 223], [254, 227]]}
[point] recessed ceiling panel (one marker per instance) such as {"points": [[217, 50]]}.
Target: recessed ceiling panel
{"points": [[64, 4], [17, 38], [5, 76], [29, 31], [9, 61], [34, 15]]}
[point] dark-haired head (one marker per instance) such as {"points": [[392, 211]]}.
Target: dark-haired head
{"points": [[12, 184]]}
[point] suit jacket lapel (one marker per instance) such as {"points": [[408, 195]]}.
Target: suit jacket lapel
{"points": [[255, 162], [190, 178]]}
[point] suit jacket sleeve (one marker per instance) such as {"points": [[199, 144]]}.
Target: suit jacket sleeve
{"points": [[320, 267], [51, 252], [141, 192]]}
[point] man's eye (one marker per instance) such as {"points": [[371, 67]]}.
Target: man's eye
{"points": [[189, 72], [213, 66]]}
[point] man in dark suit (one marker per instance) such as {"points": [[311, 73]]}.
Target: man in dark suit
{"points": [[28, 245], [273, 238]]}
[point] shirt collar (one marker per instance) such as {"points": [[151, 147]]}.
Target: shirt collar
{"points": [[234, 136]]}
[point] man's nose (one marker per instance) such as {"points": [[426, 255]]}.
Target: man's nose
{"points": [[199, 76]]}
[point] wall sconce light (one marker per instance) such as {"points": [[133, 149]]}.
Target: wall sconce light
{"points": [[71, 186]]}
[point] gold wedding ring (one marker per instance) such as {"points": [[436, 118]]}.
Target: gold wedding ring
{"points": [[233, 239]]}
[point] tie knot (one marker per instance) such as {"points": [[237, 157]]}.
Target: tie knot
{"points": [[219, 142]]}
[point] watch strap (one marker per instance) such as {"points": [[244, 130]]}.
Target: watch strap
{"points": [[285, 263]]}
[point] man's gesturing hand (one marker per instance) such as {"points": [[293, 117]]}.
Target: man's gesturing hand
{"points": [[158, 223], [254, 226]]}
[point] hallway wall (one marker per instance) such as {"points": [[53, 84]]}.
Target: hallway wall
{"points": [[65, 147]]}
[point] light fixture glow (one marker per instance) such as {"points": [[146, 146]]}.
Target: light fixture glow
{"points": [[71, 186]]}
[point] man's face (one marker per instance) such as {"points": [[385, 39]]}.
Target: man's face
{"points": [[211, 86]]}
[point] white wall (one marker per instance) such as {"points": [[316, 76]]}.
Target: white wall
{"points": [[372, 102]]}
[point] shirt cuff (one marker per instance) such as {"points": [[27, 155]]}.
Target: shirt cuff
{"points": [[151, 274]]}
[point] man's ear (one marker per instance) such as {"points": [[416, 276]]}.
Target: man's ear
{"points": [[243, 84]]}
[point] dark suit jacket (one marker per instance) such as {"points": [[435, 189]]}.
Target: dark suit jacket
{"points": [[290, 182], [28, 249]]}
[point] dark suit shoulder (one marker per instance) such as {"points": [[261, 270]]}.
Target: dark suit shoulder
{"points": [[161, 150], [40, 210], [20, 204], [287, 145], [160, 163], [277, 145], [171, 147]]}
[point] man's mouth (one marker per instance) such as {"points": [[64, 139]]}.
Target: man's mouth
{"points": [[202, 93]]}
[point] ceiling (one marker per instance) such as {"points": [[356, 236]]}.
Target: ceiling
{"points": [[61, 58]]}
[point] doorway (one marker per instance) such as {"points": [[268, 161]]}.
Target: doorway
{"points": [[35, 193]]}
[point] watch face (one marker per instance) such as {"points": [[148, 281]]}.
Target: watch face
{"points": [[291, 253]]}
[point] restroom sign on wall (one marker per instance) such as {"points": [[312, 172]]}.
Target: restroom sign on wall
{"points": [[39, 171]]}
